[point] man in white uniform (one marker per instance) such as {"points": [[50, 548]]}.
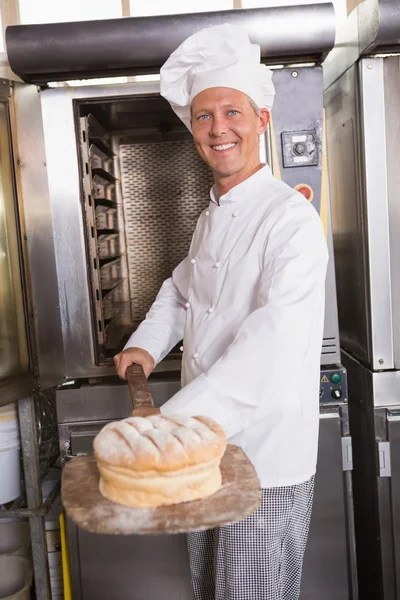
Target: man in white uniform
{"points": [[248, 302]]}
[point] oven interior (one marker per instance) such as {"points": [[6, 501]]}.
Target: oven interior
{"points": [[143, 188]]}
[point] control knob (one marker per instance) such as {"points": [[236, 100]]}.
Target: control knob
{"points": [[299, 148]]}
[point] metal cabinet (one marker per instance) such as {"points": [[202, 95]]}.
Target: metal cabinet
{"points": [[363, 109], [374, 411], [29, 300], [156, 567]]}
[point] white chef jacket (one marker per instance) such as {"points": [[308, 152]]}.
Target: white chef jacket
{"points": [[248, 301]]}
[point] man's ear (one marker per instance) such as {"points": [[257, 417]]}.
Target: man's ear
{"points": [[264, 118]]}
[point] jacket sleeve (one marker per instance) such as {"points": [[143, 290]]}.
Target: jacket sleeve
{"points": [[254, 368], [164, 324]]}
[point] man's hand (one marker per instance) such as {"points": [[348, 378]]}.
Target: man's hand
{"points": [[133, 355], [145, 411]]}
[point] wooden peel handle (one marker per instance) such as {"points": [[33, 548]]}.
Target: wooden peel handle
{"points": [[138, 387]]}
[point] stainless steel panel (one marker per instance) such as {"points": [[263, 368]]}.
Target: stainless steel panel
{"points": [[107, 401], [386, 534], [14, 359], [69, 228], [375, 496], [381, 389], [391, 79], [362, 111], [386, 388], [365, 492], [326, 573], [33, 198], [118, 567], [377, 211], [135, 567], [393, 422], [348, 214], [298, 107]]}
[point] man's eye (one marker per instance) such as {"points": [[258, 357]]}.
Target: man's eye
{"points": [[202, 117], [233, 112]]}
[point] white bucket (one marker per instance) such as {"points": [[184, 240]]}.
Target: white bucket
{"points": [[54, 560], [10, 473], [10, 468], [8, 437], [9, 417], [15, 538], [15, 578], [9, 430]]}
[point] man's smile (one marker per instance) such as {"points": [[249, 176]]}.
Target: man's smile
{"points": [[224, 147]]}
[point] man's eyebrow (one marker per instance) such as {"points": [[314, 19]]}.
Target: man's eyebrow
{"points": [[204, 109]]}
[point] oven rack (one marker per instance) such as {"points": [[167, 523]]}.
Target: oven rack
{"points": [[103, 216]]}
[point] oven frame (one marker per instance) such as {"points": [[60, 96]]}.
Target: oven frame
{"points": [[74, 339], [67, 349]]}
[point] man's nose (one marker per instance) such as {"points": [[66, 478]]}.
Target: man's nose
{"points": [[219, 126]]}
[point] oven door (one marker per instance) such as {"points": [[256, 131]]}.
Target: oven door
{"points": [[16, 376], [77, 233], [30, 325]]}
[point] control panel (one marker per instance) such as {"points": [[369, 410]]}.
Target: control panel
{"points": [[299, 148], [333, 385]]}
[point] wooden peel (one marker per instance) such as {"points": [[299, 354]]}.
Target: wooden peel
{"points": [[139, 389], [238, 497]]}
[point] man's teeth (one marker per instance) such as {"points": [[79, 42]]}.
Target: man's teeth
{"points": [[223, 147]]}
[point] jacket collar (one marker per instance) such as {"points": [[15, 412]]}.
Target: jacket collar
{"points": [[244, 189]]}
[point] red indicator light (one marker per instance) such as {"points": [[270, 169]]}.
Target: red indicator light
{"points": [[306, 190]]}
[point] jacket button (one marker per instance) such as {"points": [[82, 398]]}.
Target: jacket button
{"points": [[181, 348], [235, 214], [193, 261], [187, 305], [207, 213], [211, 309], [196, 355], [217, 265]]}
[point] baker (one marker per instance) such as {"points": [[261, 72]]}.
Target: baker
{"points": [[248, 302]]}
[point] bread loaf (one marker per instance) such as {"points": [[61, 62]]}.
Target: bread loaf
{"points": [[159, 460]]}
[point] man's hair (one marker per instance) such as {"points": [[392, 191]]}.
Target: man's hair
{"points": [[254, 106]]}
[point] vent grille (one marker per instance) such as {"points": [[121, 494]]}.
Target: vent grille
{"points": [[330, 353], [165, 186]]}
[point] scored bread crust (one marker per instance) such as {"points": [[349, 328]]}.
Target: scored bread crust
{"points": [[158, 460]]}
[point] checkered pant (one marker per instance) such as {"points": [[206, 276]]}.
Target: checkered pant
{"points": [[259, 558]]}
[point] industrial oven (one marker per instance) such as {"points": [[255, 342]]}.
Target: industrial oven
{"points": [[109, 188], [363, 124]]}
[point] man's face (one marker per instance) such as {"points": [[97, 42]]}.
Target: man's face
{"points": [[226, 131]]}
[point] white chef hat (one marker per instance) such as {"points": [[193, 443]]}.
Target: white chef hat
{"points": [[219, 56]]}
